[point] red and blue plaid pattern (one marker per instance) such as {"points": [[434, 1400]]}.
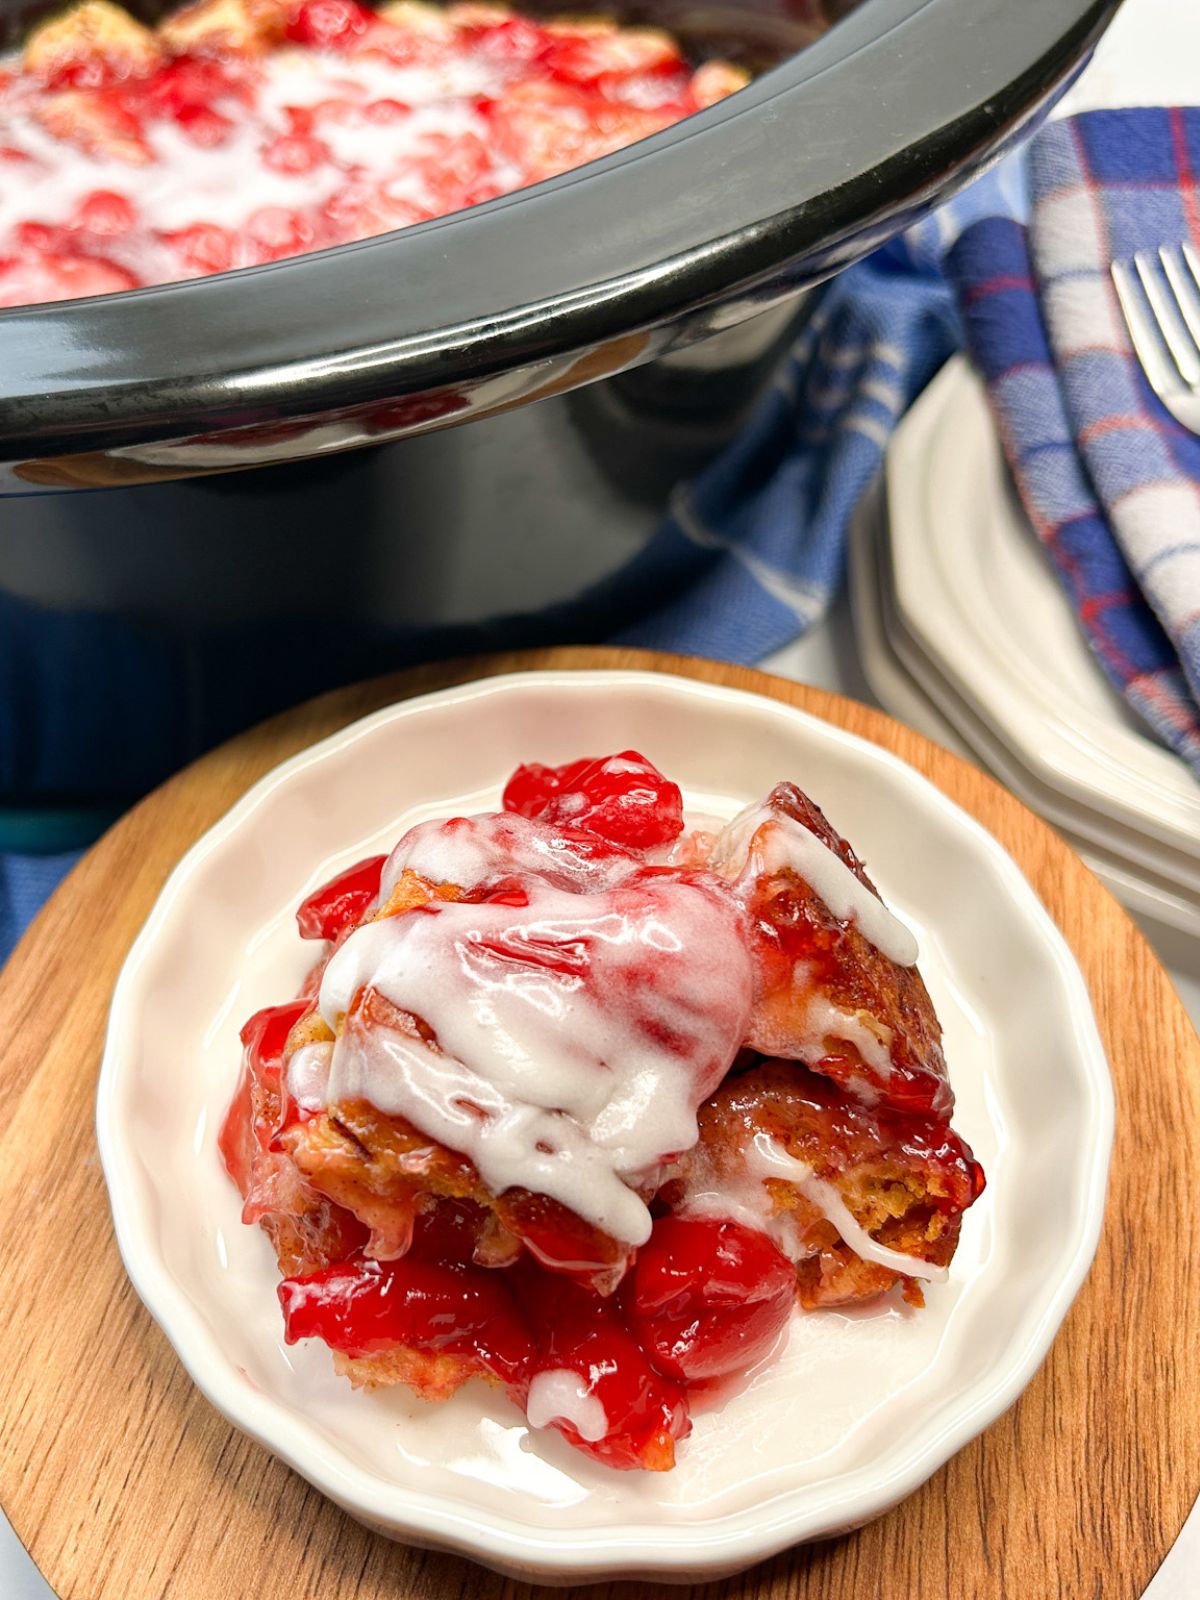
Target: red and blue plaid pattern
{"points": [[1109, 479]]}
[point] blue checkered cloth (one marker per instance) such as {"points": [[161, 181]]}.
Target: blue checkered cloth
{"points": [[1110, 481], [755, 546]]}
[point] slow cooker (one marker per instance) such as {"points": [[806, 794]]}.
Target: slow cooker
{"points": [[641, 301]]}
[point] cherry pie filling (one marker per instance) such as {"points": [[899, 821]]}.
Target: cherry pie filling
{"points": [[586, 1104], [238, 132]]}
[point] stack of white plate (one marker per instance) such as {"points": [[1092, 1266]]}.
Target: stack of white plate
{"points": [[965, 634]]}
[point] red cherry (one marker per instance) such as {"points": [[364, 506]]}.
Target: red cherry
{"points": [[185, 83], [338, 904], [275, 232], [105, 212], [204, 126], [335, 108], [204, 247], [295, 153], [513, 39], [242, 1137], [236, 1139], [265, 1034], [450, 166], [40, 237], [709, 1297], [329, 24], [623, 798], [532, 786], [644, 1413], [363, 209], [362, 1307], [386, 111], [88, 72]]}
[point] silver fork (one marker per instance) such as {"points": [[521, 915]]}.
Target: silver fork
{"points": [[1160, 296]]}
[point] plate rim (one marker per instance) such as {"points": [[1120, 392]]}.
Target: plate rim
{"points": [[1136, 885], [683, 1551], [956, 401]]}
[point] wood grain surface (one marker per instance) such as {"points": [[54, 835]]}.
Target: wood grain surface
{"points": [[124, 1484]]}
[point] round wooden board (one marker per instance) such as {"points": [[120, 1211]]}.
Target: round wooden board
{"points": [[125, 1484]]}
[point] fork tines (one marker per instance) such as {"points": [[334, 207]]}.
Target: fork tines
{"points": [[1160, 297]]}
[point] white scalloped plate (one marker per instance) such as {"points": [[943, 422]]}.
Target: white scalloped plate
{"points": [[909, 686], [975, 590], [858, 1410]]}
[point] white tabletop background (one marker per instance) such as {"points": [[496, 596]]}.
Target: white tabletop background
{"points": [[1151, 55]]}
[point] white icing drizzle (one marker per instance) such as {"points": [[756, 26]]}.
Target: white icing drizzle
{"points": [[563, 1396], [767, 1159], [749, 1204], [576, 1036], [762, 839], [823, 1020], [308, 1074], [834, 1208], [470, 851]]}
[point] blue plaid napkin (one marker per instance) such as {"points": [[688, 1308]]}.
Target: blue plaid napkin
{"points": [[1110, 481], [755, 546]]}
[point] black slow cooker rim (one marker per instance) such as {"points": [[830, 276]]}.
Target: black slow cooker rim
{"points": [[696, 213]]}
